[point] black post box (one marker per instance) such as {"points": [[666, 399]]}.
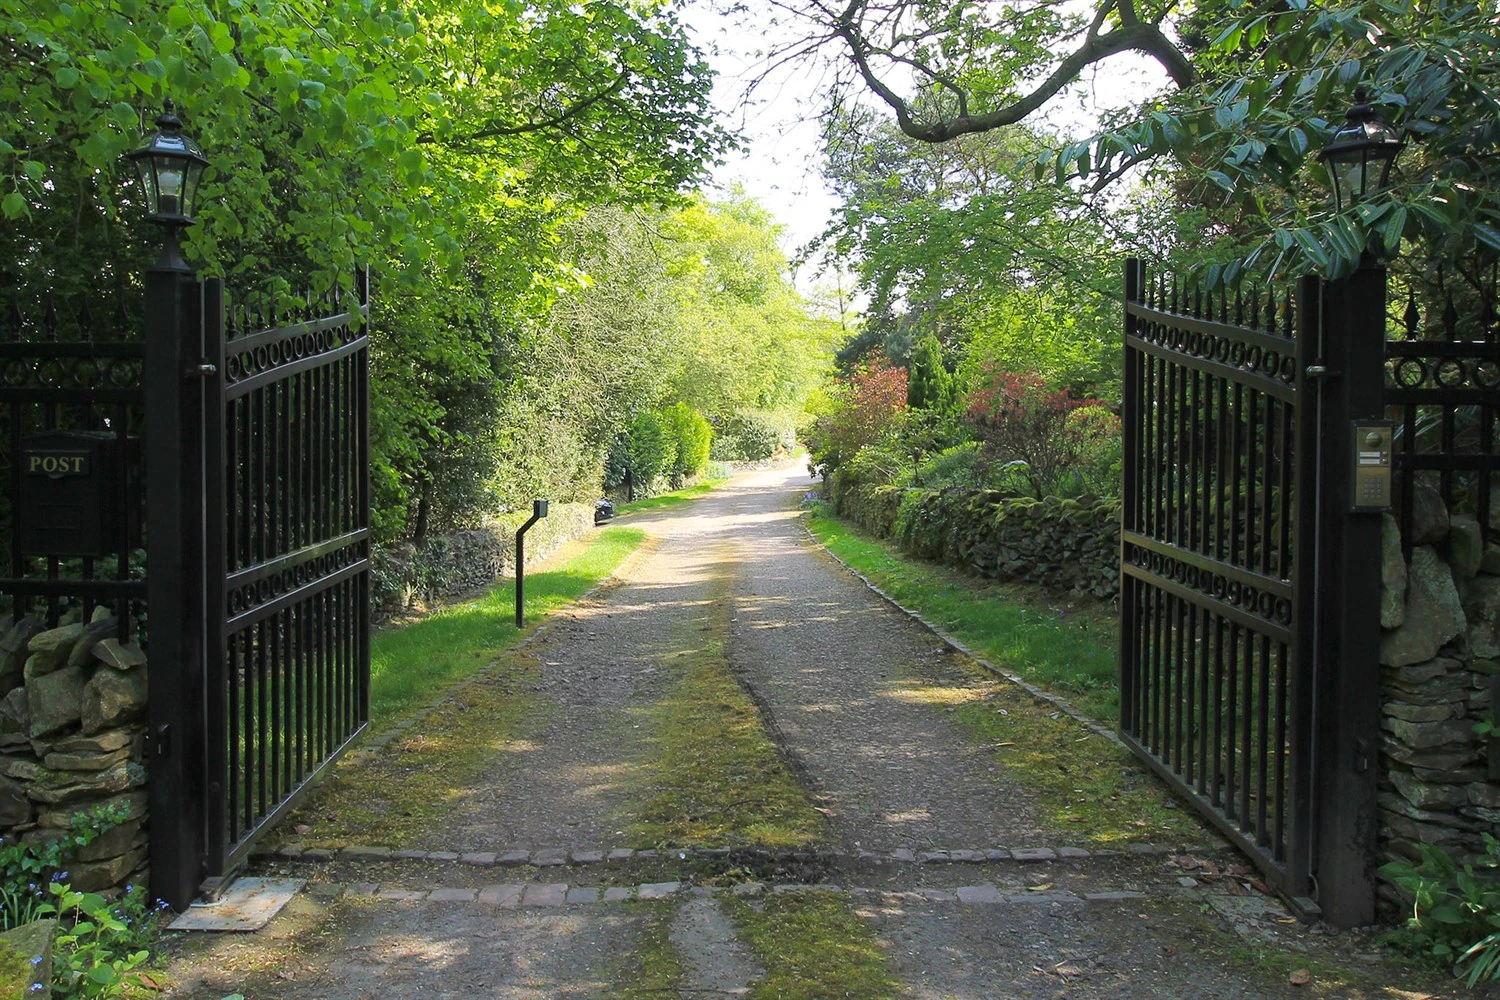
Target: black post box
{"points": [[75, 494]]}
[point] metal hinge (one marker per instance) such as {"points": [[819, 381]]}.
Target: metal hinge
{"points": [[204, 370], [160, 740]]}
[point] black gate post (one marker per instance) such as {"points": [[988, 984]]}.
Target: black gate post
{"points": [[1347, 711], [175, 584]]}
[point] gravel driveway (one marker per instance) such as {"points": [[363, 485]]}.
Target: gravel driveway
{"points": [[839, 677]]}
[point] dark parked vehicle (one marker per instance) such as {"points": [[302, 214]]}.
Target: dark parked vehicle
{"points": [[603, 510]]}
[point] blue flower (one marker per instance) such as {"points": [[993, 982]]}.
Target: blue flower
{"points": [[36, 960], [37, 987]]}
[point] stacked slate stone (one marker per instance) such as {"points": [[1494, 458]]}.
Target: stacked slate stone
{"points": [[72, 734], [1439, 653], [1063, 544]]}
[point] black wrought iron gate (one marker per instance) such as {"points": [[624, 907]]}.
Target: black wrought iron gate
{"points": [[1215, 691], [288, 564], [259, 542], [1249, 573]]}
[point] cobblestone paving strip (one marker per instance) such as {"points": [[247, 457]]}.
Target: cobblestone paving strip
{"points": [[535, 894], [553, 857]]}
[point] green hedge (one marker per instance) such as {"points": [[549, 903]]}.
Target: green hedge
{"points": [[1063, 544]]}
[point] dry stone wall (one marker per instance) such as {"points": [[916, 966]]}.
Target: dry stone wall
{"points": [[1440, 656], [407, 576], [72, 738], [1071, 545]]}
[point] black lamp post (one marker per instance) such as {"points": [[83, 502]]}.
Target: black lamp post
{"points": [[169, 167], [178, 409], [1346, 404], [1360, 154]]}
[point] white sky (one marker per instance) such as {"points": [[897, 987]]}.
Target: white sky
{"points": [[779, 164]]}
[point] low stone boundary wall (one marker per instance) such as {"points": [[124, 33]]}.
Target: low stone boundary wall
{"points": [[72, 739], [407, 576], [1440, 656], [1062, 544]]}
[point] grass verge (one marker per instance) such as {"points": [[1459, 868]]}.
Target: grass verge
{"points": [[717, 778], [408, 665], [812, 946], [1069, 648], [673, 500]]}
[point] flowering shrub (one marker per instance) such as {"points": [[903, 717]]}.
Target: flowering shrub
{"points": [[861, 408], [1051, 442]]}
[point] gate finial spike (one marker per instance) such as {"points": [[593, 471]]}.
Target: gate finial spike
{"points": [[1450, 319], [1198, 301], [86, 320], [1271, 309], [1411, 318], [1254, 305]]}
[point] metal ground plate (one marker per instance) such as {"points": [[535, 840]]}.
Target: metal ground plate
{"points": [[247, 905]]}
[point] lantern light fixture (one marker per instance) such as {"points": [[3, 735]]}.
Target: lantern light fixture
{"points": [[169, 167], [1360, 154]]}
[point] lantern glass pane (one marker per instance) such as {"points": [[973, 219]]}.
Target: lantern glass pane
{"points": [[190, 187], [170, 175], [147, 176], [1349, 179]]}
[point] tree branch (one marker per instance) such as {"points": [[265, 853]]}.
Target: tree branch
{"points": [[499, 131], [1131, 36]]}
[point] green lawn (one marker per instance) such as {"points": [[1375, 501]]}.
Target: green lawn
{"points": [[1070, 648], [409, 664]]}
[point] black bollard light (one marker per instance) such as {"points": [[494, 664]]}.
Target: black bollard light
{"points": [[538, 511]]}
